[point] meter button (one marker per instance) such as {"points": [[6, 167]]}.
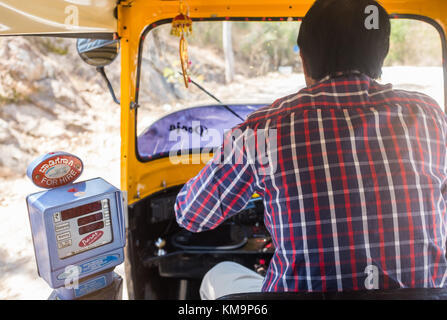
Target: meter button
{"points": [[64, 243], [63, 236], [57, 217], [62, 227], [105, 203]]}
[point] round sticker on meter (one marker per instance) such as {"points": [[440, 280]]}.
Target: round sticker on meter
{"points": [[55, 169]]}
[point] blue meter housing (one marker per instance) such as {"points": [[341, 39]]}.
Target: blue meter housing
{"points": [[78, 227]]}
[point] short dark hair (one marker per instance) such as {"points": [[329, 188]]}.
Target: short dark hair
{"points": [[333, 38]]}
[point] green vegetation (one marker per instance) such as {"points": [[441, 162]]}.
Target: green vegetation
{"points": [[13, 97], [52, 45], [262, 47], [268, 45], [414, 43]]}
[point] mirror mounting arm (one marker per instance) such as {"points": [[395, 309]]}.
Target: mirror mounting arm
{"points": [[99, 53], [109, 85]]}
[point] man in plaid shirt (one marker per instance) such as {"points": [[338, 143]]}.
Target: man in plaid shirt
{"points": [[355, 199]]}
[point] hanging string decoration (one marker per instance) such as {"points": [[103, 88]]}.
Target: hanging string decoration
{"points": [[182, 27]]}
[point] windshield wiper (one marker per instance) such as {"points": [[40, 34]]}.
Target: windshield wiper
{"points": [[212, 96]]}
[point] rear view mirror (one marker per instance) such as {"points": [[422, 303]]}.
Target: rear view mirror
{"points": [[99, 53]]}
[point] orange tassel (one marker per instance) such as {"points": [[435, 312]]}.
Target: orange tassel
{"points": [[181, 27]]}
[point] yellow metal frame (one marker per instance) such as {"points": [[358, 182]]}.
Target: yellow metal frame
{"points": [[142, 179]]}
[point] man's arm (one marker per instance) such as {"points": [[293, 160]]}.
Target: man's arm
{"points": [[221, 189]]}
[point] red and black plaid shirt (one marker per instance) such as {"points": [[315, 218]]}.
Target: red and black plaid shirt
{"points": [[359, 189]]}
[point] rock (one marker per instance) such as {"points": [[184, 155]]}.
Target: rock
{"points": [[6, 136], [13, 158]]}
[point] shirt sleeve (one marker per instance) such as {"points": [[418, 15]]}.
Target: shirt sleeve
{"points": [[220, 190]]}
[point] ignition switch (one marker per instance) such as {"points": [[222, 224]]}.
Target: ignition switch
{"points": [[160, 243]]}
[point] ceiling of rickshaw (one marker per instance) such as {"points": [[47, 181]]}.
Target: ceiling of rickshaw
{"points": [[57, 16]]}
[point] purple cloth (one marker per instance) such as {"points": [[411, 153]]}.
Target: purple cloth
{"points": [[154, 141]]}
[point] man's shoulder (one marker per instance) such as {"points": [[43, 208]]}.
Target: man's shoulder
{"points": [[417, 101], [416, 96], [342, 93], [274, 110]]}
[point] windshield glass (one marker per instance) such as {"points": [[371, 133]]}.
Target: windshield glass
{"points": [[246, 65]]}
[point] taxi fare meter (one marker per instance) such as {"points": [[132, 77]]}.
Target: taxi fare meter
{"points": [[78, 229]]}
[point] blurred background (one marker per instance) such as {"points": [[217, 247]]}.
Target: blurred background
{"points": [[50, 100]]}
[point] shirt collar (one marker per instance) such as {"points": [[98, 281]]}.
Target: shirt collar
{"points": [[340, 74]]}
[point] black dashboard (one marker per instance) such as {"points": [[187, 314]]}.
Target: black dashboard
{"points": [[157, 243], [241, 235]]}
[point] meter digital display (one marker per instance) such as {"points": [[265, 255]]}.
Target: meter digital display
{"points": [[81, 210], [82, 228]]}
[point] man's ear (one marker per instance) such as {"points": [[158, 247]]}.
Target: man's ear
{"points": [[309, 80], [302, 62]]}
